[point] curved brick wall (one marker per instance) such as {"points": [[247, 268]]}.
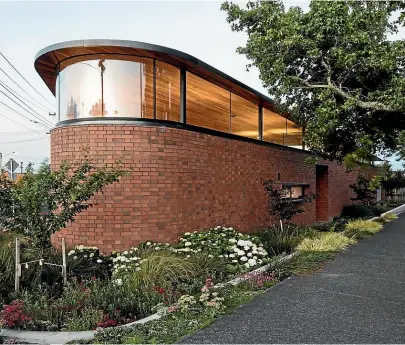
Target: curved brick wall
{"points": [[182, 181]]}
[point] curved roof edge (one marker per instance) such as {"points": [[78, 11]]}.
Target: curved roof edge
{"points": [[47, 59]]}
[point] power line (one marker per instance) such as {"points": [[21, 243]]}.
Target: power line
{"points": [[47, 109], [16, 133], [46, 121], [22, 141], [25, 117], [15, 69], [26, 99], [31, 130], [24, 109]]}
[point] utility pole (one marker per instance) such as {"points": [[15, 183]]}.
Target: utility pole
{"points": [[21, 167]]}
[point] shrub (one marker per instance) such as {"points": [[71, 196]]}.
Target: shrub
{"points": [[209, 266], [38, 305], [88, 319], [259, 281], [278, 240], [280, 205], [325, 242], [339, 224], [13, 315], [239, 250], [378, 209], [357, 211], [362, 228], [121, 303], [236, 250], [362, 190], [87, 262]]}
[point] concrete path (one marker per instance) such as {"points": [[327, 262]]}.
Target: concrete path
{"points": [[357, 298]]}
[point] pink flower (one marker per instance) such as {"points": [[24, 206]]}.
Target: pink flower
{"points": [[172, 308]]}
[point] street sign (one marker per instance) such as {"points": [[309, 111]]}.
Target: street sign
{"points": [[12, 165]]}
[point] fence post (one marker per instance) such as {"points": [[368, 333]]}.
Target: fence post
{"points": [[64, 273], [17, 265]]}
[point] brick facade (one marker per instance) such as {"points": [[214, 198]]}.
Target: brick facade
{"points": [[182, 181]]}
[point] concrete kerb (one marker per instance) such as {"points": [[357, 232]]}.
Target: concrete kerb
{"points": [[397, 210], [45, 337]]}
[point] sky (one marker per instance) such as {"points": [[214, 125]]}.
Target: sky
{"points": [[194, 27]]}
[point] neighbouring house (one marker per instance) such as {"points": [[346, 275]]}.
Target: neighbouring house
{"points": [[198, 144]]}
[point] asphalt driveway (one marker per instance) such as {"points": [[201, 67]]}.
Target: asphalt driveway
{"points": [[358, 298]]}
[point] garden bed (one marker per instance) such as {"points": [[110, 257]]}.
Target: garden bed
{"points": [[64, 337], [180, 287]]}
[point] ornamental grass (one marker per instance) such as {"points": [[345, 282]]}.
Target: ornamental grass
{"points": [[362, 228], [325, 242]]}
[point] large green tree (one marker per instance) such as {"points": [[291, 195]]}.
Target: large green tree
{"points": [[335, 68]]}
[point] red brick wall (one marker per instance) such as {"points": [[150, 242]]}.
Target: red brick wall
{"points": [[322, 199], [182, 181]]}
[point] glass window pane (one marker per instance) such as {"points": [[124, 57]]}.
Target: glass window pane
{"points": [[107, 88], [80, 89], [274, 127], [208, 105], [244, 117], [294, 135], [167, 92]]}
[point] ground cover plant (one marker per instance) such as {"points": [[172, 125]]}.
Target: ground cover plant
{"points": [[361, 228], [325, 242]]}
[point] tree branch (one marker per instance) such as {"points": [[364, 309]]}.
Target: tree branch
{"points": [[331, 86]]}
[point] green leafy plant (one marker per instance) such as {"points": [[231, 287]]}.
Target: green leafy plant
{"points": [[278, 240], [87, 262], [239, 251], [160, 268], [280, 205], [357, 211], [87, 320], [362, 190], [362, 228], [44, 201], [326, 242]]}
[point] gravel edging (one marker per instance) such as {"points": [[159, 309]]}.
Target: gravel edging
{"points": [[47, 337]]}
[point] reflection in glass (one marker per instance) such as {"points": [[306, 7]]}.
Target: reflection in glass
{"points": [[274, 127], [123, 86], [107, 88], [167, 92], [244, 117], [208, 105], [294, 135]]}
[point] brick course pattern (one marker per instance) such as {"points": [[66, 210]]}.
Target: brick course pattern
{"points": [[182, 181]]}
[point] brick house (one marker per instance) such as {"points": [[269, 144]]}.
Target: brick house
{"points": [[197, 142]]}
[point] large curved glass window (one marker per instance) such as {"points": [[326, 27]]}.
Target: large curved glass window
{"points": [[274, 127], [167, 92], [244, 117], [135, 87], [107, 88], [294, 135], [208, 105]]}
